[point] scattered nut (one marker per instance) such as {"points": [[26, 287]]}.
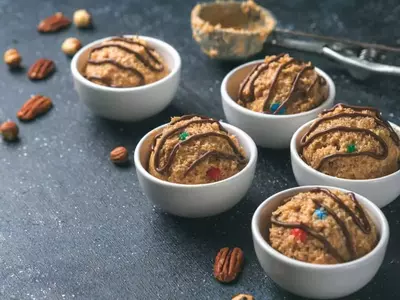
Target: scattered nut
{"points": [[53, 23], [228, 264], [41, 69], [119, 155], [35, 106], [82, 18], [12, 58], [70, 46], [9, 130], [243, 297]]}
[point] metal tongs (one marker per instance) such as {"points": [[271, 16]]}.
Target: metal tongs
{"points": [[360, 59]]}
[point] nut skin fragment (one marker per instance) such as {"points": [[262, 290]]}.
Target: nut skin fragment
{"points": [[119, 155], [35, 106], [12, 58], [41, 69], [82, 18], [53, 23], [228, 264], [243, 297], [70, 46], [9, 130]]}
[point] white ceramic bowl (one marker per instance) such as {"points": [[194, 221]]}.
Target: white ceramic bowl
{"points": [[312, 280], [270, 131], [381, 191], [202, 200], [128, 104]]}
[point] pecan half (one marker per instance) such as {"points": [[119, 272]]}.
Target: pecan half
{"points": [[41, 69], [228, 264], [243, 297], [119, 155], [54, 23], [35, 106]]}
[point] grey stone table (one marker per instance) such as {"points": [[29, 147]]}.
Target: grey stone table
{"points": [[73, 226]]}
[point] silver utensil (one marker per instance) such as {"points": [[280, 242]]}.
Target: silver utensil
{"points": [[360, 59]]}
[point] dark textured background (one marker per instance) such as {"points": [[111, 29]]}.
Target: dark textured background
{"points": [[73, 226]]}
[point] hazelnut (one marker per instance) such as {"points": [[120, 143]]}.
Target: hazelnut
{"points": [[82, 18], [70, 46], [9, 130], [243, 297], [12, 58], [119, 155]]}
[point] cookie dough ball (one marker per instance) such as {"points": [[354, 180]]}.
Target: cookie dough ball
{"points": [[124, 62], [351, 142], [195, 150], [322, 227], [282, 85]]}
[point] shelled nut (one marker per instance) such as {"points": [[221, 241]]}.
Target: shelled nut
{"points": [[119, 155], [82, 18], [12, 58], [9, 130], [70, 46]]}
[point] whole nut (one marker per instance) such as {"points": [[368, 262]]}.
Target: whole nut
{"points": [[41, 69], [12, 58], [228, 264], [243, 297], [9, 130], [54, 23], [70, 46], [119, 155], [35, 106], [82, 18]]}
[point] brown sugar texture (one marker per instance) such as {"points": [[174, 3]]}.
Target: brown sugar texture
{"points": [[124, 62], [194, 150], [322, 226], [351, 142], [282, 85]]}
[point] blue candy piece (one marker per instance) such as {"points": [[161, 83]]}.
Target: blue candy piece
{"points": [[275, 106], [321, 213]]}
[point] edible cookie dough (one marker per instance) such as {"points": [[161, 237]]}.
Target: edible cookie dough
{"points": [[282, 85], [231, 29], [322, 227], [124, 62], [351, 142], [193, 150]]}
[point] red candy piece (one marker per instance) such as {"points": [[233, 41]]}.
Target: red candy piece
{"points": [[214, 173], [299, 234]]}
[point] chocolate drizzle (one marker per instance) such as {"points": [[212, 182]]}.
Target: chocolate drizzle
{"points": [[153, 63], [293, 88], [118, 65], [260, 68], [313, 233], [214, 153], [307, 140], [361, 221]]}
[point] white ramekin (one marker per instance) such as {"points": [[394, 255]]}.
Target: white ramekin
{"points": [[270, 131], [201, 200], [381, 191], [128, 104], [313, 280]]}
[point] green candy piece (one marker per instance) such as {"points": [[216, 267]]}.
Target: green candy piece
{"points": [[351, 148], [183, 136]]}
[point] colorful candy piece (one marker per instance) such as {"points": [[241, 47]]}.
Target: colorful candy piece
{"points": [[321, 213], [275, 106], [183, 136], [214, 173], [299, 234], [351, 148]]}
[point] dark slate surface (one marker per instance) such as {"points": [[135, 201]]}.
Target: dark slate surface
{"points": [[73, 226]]}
